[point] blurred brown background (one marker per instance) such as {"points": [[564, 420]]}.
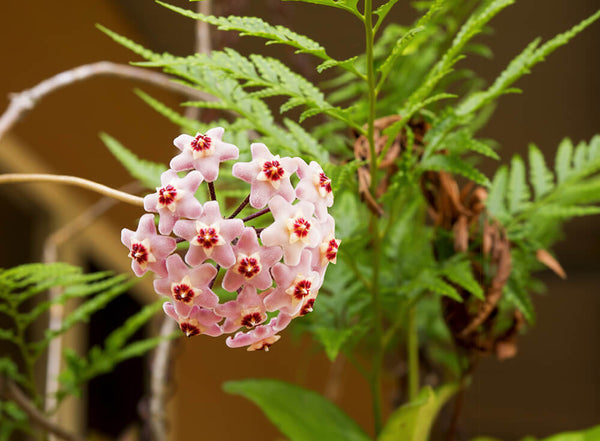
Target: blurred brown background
{"points": [[554, 383]]}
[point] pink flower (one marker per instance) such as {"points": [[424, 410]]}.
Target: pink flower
{"points": [[203, 152], [268, 175], [210, 236], [174, 199], [247, 310], [315, 187], [187, 286], [252, 264], [260, 338], [197, 321], [147, 249], [293, 229], [295, 284], [327, 249]]}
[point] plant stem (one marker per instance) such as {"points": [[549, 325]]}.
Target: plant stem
{"points": [[10, 178], [413, 354], [211, 191], [257, 214], [374, 225], [240, 208]]}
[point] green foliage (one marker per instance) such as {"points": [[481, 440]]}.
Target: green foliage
{"points": [[300, 414], [93, 291], [590, 434], [567, 193], [413, 421], [148, 173], [116, 349], [346, 5]]}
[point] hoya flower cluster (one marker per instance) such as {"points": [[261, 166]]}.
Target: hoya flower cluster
{"points": [[275, 272]]}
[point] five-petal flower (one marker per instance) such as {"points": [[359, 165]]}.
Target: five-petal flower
{"points": [[203, 152], [267, 174]]}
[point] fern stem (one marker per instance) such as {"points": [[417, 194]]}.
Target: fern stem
{"points": [[374, 225], [413, 354], [10, 178]]}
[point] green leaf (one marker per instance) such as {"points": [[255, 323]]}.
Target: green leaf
{"points": [[460, 273], [413, 421], [347, 5], [256, 27], [519, 297], [562, 163], [438, 286], [518, 190], [566, 212], [495, 202], [454, 164], [300, 414], [333, 339], [521, 65], [148, 173], [542, 180]]}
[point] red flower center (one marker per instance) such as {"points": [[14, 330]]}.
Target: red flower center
{"points": [[251, 320], [167, 195], [189, 329], [139, 253], [302, 289], [248, 267], [308, 307], [183, 293], [273, 170], [325, 182], [207, 237], [201, 143], [332, 249], [301, 227]]}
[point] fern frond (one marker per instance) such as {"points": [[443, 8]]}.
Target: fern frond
{"points": [[346, 5], [147, 172], [456, 165], [542, 180], [82, 314], [518, 190], [257, 27], [521, 65], [459, 272]]}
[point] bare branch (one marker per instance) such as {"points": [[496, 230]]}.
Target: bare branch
{"points": [[9, 178], [50, 255], [158, 381], [24, 101], [12, 391]]}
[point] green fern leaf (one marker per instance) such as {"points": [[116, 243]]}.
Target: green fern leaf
{"points": [[306, 143], [518, 190], [347, 5], [438, 286], [542, 180], [148, 173], [87, 285], [456, 165], [520, 298], [257, 27], [460, 273], [566, 212], [495, 201], [82, 314], [563, 161], [521, 65]]}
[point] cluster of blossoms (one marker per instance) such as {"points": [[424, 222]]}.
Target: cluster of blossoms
{"points": [[269, 292]]}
